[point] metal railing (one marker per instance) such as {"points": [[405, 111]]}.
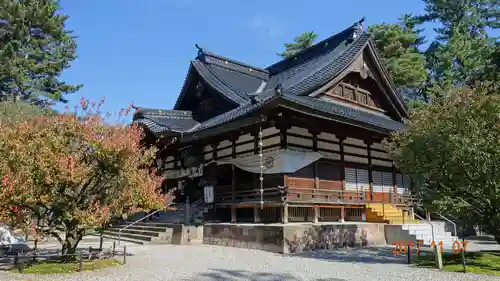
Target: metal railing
{"points": [[137, 221], [450, 221]]}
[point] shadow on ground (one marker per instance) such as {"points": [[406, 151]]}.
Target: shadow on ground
{"points": [[233, 275], [361, 255]]}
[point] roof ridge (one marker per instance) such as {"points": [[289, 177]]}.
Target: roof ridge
{"points": [[272, 68], [227, 60], [347, 57], [142, 112]]}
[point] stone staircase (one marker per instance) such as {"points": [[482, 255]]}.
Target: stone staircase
{"points": [[423, 232], [157, 230], [387, 213], [141, 232]]}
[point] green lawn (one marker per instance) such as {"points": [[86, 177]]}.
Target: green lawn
{"points": [[54, 267], [480, 263]]}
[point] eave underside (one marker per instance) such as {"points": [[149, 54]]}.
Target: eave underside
{"points": [[333, 111]]}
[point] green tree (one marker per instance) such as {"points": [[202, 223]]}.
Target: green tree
{"points": [[35, 48], [304, 41], [398, 45], [462, 52], [451, 149], [19, 111], [73, 173]]}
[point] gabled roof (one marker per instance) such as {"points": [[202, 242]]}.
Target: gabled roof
{"points": [[233, 79], [340, 112], [251, 88], [160, 121], [298, 74]]}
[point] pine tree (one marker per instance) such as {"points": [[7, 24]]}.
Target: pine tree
{"points": [[35, 48], [463, 51], [304, 41], [398, 45]]}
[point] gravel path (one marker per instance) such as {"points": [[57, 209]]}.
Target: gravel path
{"points": [[198, 263]]}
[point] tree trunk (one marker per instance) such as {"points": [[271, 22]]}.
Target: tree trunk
{"points": [[497, 237], [70, 244]]}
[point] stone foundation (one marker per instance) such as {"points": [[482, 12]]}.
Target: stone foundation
{"points": [[292, 238]]}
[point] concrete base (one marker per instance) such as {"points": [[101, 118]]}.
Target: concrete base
{"points": [[187, 234], [293, 238]]}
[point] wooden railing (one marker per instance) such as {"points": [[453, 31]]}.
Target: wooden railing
{"points": [[276, 194], [324, 195], [308, 195]]}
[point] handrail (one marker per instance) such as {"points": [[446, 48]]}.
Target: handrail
{"points": [[428, 222], [194, 208], [448, 220], [137, 221]]}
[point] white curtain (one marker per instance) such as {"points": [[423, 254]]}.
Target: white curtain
{"points": [[275, 162]]}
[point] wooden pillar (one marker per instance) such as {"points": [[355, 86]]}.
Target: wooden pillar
{"points": [[370, 168], [342, 174], [393, 191], [342, 161], [256, 214], [233, 194], [216, 175], [233, 183], [316, 176], [283, 137], [255, 143], [284, 213]]}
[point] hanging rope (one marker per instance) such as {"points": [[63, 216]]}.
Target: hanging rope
{"points": [[261, 178]]}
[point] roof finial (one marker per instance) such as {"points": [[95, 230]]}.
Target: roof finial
{"points": [[200, 49], [360, 24]]}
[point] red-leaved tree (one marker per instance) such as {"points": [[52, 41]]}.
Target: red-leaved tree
{"points": [[73, 172]]}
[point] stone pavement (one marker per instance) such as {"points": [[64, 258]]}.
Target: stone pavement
{"points": [[210, 263]]}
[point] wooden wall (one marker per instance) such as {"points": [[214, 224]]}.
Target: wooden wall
{"points": [[348, 163]]}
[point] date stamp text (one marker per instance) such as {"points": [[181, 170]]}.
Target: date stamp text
{"points": [[403, 247]]}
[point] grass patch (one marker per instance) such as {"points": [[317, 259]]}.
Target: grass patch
{"points": [[479, 263], [56, 267]]}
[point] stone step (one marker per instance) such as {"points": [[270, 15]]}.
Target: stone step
{"points": [[146, 238], [142, 227], [141, 231], [146, 224], [420, 232], [125, 239]]}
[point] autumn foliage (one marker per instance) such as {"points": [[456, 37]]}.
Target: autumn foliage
{"points": [[73, 173]]}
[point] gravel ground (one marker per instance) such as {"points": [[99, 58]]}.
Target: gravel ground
{"points": [[198, 263]]}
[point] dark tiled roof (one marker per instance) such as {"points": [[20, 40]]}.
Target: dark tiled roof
{"points": [[212, 79], [320, 73], [297, 75], [240, 111], [339, 111], [314, 52], [296, 68], [237, 81], [347, 112], [161, 121], [235, 65], [386, 73]]}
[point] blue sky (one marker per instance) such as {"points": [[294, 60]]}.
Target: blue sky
{"points": [[139, 51]]}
